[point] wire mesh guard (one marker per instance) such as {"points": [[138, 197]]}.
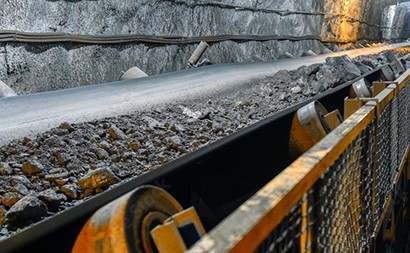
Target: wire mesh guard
{"points": [[404, 118], [337, 214]]}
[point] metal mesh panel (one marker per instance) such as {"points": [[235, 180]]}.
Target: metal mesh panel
{"points": [[345, 198], [289, 234], [341, 212], [335, 215], [404, 117], [383, 171], [394, 136]]}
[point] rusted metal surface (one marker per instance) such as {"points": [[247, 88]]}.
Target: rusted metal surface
{"points": [[124, 224]]}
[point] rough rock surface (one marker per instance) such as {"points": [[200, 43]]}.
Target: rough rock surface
{"points": [[31, 168], [28, 68], [26, 211], [354, 19], [52, 199], [97, 180], [79, 160]]}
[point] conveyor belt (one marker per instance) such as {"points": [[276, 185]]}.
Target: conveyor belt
{"points": [[30, 114]]}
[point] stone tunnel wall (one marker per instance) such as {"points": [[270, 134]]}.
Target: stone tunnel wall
{"points": [[33, 67], [401, 20], [352, 20], [39, 67]]}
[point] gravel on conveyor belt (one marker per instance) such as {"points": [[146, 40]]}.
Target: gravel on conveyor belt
{"points": [[61, 167]]}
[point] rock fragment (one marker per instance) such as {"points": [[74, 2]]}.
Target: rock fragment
{"points": [[282, 76], [283, 96], [25, 212], [326, 51], [5, 169], [115, 133], [10, 198], [101, 154], [62, 157], [67, 127], [2, 213], [104, 145], [52, 199], [134, 145], [20, 188], [174, 142], [56, 176], [98, 179], [69, 190], [296, 90], [152, 123], [33, 167], [286, 55], [362, 67]]}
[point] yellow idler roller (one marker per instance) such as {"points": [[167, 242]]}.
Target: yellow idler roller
{"points": [[308, 127], [124, 225]]}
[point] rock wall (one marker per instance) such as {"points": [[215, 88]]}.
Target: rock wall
{"points": [[160, 17], [352, 20], [401, 19], [33, 67]]}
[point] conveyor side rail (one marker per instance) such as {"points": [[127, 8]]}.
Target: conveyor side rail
{"points": [[334, 198]]}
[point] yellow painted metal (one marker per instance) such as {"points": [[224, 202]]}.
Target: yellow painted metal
{"points": [[403, 79], [189, 216], [299, 139], [306, 235], [389, 233], [386, 95], [167, 238], [378, 87], [308, 127], [334, 119], [252, 222], [351, 106], [123, 224]]}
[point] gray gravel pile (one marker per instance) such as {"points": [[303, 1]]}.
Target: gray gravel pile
{"points": [[61, 167]]}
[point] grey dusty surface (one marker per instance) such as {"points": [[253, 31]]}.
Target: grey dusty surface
{"points": [[54, 170], [30, 114]]}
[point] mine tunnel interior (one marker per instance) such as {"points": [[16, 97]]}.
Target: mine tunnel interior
{"points": [[102, 97]]}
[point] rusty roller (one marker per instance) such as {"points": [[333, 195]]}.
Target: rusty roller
{"points": [[124, 225], [308, 127], [360, 89], [312, 117]]}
